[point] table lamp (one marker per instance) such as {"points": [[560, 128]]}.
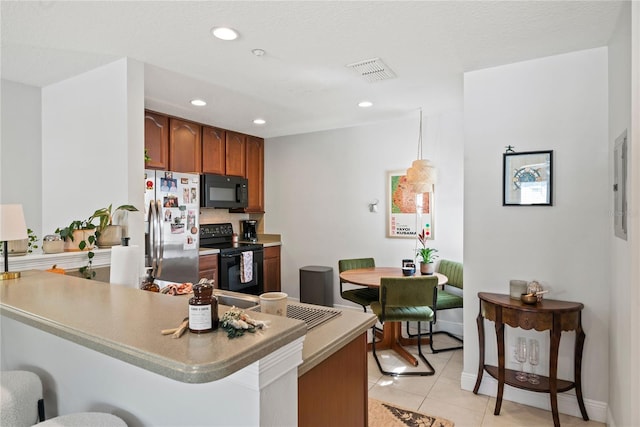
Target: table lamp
{"points": [[12, 227]]}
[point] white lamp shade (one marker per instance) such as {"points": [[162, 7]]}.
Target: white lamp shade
{"points": [[12, 224]]}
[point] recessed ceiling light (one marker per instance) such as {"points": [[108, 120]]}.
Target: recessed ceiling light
{"points": [[258, 52], [198, 102], [365, 104], [259, 121], [224, 33]]}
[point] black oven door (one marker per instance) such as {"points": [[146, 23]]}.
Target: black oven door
{"points": [[230, 273]]}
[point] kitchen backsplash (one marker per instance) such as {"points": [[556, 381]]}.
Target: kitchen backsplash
{"points": [[216, 216]]}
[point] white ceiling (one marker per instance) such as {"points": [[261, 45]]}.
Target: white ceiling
{"points": [[302, 84]]}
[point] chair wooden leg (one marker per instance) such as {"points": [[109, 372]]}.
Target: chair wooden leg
{"points": [[404, 374]]}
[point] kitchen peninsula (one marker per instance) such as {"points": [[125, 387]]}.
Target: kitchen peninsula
{"points": [[104, 351]]}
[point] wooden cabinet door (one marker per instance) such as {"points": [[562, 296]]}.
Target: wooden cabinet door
{"points": [[156, 140], [236, 154], [255, 174], [209, 268], [213, 150], [271, 269], [185, 149]]}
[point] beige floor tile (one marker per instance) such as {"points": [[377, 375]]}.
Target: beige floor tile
{"points": [[453, 370], [462, 417], [391, 361], [457, 356], [396, 396], [449, 391], [415, 385]]}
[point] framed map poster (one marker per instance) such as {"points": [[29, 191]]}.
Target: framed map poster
{"points": [[407, 212]]}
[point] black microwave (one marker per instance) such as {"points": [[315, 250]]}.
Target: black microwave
{"points": [[225, 192]]}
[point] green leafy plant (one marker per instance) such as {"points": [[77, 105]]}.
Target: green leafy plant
{"points": [[146, 156], [67, 233], [105, 215], [33, 240], [428, 255]]}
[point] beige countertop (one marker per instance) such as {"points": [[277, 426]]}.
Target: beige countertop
{"points": [[125, 323]]}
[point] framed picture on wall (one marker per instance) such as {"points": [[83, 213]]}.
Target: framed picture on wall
{"points": [[527, 178], [407, 212]]}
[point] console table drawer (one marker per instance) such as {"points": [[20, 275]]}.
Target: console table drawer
{"points": [[527, 320]]}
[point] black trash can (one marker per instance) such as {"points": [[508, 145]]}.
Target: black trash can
{"points": [[316, 285]]}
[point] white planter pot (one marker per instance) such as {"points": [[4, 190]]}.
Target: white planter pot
{"points": [[427, 268], [79, 236], [110, 236]]}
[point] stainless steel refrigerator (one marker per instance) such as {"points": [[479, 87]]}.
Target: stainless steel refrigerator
{"points": [[172, 226]]}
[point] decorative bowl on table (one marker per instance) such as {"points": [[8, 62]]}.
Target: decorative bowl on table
{"points": [[409, 270], [529, 299]]}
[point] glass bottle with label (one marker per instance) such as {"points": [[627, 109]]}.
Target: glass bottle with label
{"points": [[203, 309]]}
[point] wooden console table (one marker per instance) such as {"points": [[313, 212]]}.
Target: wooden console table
{"points": [[555, 316]]}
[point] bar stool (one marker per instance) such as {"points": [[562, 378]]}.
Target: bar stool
{"points": [[22, 404]]}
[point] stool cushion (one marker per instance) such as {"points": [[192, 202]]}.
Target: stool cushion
{"points": [[19, 395], [84, 419]]}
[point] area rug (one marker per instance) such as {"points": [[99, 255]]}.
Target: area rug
{"points": [[383, 414]]}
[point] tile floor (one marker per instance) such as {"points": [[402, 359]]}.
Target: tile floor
{"points": [[441, 395]]}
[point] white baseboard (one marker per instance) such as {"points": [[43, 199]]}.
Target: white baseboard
{"points": [[567, 402]]}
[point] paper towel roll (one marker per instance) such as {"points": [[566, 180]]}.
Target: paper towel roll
{"points": [[125, 265]]}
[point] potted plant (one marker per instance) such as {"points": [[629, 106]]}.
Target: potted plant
{"points": [[80, 235], [108, 234], [427, 255]]}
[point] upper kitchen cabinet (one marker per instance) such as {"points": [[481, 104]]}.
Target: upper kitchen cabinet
{"points": [[156, 140], [236, 154], [185, 147], [214, 150], [254, 154], [255, 174]]}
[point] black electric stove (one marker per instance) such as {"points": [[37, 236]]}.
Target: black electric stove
{"points": [[220, 236]]}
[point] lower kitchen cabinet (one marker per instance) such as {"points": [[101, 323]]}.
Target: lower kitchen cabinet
{"points": [[271, 269], [209, 268], [334, 393]]}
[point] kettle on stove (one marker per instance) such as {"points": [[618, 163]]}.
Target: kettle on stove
{"points": [[249, 232]]}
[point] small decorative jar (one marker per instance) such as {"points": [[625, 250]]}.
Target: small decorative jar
{"points": [[534, 287], [52, 244]]}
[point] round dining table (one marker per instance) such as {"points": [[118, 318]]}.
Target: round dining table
{"points": [[392, 331]]}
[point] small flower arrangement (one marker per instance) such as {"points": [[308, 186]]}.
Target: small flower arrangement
{"points": [[428, 255], [236, 322]]}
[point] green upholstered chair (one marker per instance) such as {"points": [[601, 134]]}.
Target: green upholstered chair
{"points": [[447, 300], [405, 299], [362, 296]]}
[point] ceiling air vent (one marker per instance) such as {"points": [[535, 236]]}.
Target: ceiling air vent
{"points": [[373, 70]]}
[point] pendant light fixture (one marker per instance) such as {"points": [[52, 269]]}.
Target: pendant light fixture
{"points": [[422, 174]]}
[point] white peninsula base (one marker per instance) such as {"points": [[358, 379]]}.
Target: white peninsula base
{"points": [[78, 379]]}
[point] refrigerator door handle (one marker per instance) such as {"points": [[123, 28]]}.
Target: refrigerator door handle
{"points": [[159, 240], [161, 237], [152, 236]]}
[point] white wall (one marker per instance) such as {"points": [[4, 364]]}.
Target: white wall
{"points": [[318, 187], [21, 159], [620, 362], [557, 103], [93, 145]]}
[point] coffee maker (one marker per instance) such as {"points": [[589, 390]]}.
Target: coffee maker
{"points": [[249, 232]]}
